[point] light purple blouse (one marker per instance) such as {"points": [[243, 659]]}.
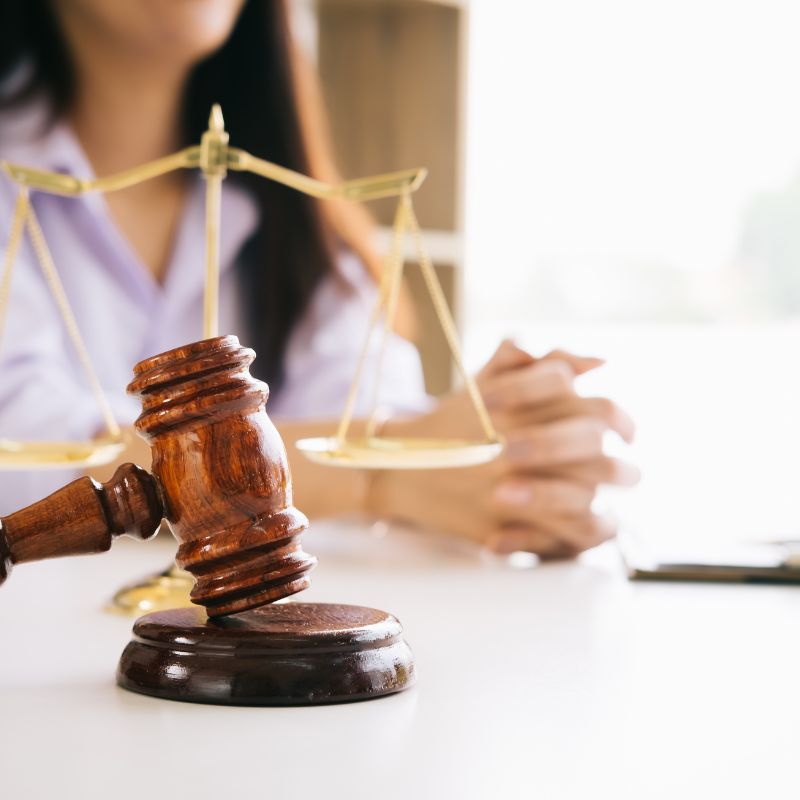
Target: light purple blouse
{"points": [[124, 315]]}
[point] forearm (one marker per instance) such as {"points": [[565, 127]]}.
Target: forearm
{"points": [[323, 491], [319, 491]]}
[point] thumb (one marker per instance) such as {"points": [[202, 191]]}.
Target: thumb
{"points": [[508, 356], [579, 364]]}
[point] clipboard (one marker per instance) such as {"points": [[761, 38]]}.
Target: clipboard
{"points": [[739, 562]]}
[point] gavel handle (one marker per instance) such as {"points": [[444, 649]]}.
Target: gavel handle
{"points": [[83, 517]]}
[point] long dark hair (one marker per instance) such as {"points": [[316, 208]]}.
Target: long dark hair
{"points": [[253, 77]]}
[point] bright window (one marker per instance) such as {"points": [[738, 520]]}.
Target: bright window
{"points": [[633, 189]]}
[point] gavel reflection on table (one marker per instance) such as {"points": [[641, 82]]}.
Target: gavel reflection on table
{"points": [[220, 478]]}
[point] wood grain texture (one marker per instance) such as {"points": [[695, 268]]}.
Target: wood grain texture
{"points": [[283, 654], [223, 473], [391, 76], [83, 517]]}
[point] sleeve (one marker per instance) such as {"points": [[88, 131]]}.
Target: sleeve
{"points": [[41, 397], [324, 349]]}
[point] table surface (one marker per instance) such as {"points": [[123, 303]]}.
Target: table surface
{"points": [[562, 680]]}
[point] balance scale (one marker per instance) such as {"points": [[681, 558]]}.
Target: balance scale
{"points": [[214, 157]]}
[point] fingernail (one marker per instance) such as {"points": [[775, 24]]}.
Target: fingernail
{"points": [[590, 363], [513, 494]]}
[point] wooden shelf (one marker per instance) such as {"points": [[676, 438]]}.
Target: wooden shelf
{"points": [[393, 81]]}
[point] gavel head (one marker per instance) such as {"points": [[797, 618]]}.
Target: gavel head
{"points": [[223, 474]]}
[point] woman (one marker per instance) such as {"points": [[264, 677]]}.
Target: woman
{"points": [[97, 86]]}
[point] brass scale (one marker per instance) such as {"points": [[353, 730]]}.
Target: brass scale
{"points": [[214, 157]]}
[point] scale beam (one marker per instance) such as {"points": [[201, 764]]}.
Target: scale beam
{"points": [[71, 186], [215, 156]]}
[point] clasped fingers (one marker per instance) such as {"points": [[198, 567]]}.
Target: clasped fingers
{"points": [[534, 384], [563, 536], [560, 442], [527, 498]]}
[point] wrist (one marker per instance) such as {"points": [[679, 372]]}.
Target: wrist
{"points": [[394, 494], [388, 495], [377, 494]]}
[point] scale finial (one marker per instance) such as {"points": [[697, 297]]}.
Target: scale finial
{"points": [[216, 121]]}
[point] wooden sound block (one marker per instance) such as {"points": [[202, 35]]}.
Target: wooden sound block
{"points": [[275, 655]]}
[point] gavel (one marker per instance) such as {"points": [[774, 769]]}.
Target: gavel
{"points": [[219, 477]]}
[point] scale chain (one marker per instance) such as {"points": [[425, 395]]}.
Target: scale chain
{"points": [[60, 297], [14, 239], [449, 326], [394, 273]]}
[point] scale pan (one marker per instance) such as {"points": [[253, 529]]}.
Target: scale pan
{"points": [[167, 589], [387, 453], [52, 455]]}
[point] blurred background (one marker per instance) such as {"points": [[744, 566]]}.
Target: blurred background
{"points": [[621, 179]]}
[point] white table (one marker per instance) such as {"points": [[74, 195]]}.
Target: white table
{"points": [[559, 681]]}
